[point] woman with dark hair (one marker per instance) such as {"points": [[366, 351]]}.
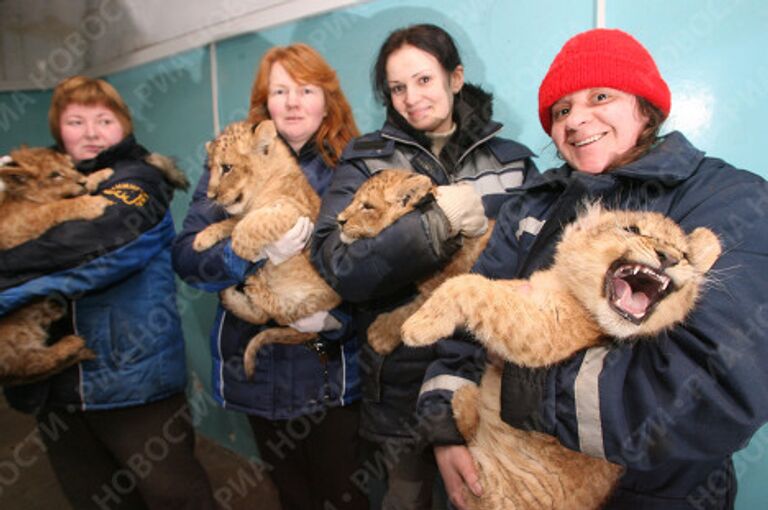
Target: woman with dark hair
{"points": [[302, 402], [673, 409], [439, 126]]}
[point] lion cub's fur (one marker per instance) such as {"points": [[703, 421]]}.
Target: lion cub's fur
{"points": [[43, 189], [546, 319], [39, 189], [380, 202], [258, 181]]}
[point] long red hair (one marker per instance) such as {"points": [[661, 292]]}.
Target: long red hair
{"points": [[307, 66]]}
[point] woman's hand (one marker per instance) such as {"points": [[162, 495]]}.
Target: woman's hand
{"points": [[292, 242], [464, 209], [458, 469]]}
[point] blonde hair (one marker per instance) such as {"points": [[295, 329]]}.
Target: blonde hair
{"points": [[305, 65], [86, 91]]}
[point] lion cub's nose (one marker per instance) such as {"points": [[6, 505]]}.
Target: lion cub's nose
{"points": [[341, 221]]}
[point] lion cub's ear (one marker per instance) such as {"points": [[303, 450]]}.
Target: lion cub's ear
{"points": [[410, 190], [703, 249], [12, 174], [264, 136], [13, 180]]}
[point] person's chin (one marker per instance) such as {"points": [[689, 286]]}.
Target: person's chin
{"points": [[423, 124], [87, 155]]}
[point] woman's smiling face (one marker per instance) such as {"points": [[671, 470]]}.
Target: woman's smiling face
{"points": [[421, 90], [593, 127]]}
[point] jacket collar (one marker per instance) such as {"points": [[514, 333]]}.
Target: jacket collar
{"points": [[127, 148], [672, 160]]}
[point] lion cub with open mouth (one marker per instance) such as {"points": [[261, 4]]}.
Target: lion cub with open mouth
{"points": [[617, 274]]}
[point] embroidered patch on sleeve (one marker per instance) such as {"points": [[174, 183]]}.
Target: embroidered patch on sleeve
{"points": [[128, 193]]}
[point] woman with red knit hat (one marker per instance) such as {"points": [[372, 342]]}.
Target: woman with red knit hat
{"points": [[674, 409]]}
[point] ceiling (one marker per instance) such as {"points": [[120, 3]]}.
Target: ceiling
{"points": [[42, 41]]}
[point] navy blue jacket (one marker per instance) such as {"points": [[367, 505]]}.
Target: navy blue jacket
{"points": [[290, 380], [117, 272], [672, 410], [379, 274]]}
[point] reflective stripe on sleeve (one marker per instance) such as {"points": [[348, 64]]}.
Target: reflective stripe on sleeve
{"points": [[529, 225], [444, 382], [587, 398]]}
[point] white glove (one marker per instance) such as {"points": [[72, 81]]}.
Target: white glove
{"points": [[463, 207], [292, 242], [317, 322]]}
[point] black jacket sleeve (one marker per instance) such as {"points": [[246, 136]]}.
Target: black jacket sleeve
{"points": [[410, 249], [141, 197]]}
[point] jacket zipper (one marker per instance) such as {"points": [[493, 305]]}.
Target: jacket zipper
{"points": [[458, 162], [81, 375], [472, 147], [414, 144]]}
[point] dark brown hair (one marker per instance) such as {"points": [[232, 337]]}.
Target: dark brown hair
{"points": [[648, 136], [430, 38]]}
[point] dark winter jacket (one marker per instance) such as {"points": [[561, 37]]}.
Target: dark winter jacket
{"points": [[117, 272], [290, 380], [379, 274], [673, 409]]}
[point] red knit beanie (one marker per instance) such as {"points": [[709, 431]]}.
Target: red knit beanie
{"points": [[602, 58]]}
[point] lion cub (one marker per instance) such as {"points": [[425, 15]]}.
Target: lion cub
{"points": [[256, 179], [39, 189], [379, 202], [42, 188], [619, 274]]}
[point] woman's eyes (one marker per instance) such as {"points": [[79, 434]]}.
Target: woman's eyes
{"points": [[601, 96], [400, 89], [397, 89], [559, 112], [302, 91]]}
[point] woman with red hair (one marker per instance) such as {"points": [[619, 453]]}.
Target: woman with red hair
{"points": [[302, 402]]}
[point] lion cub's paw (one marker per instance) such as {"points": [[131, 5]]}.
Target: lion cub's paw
{"points": [[244, 248], [93, 180], [428, 325], [206, 238], [248, 236], [383, 335], [93, 206]]}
